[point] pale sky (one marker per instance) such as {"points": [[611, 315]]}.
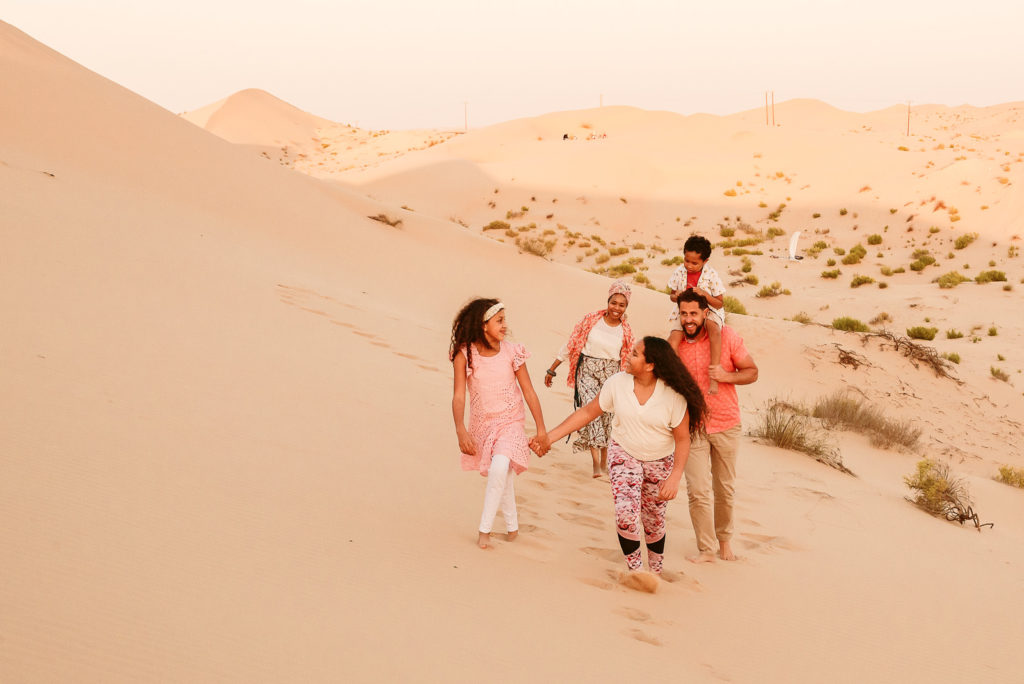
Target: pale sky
{"points": [[406, 64]]}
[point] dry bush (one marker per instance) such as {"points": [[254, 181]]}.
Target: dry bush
{"points": [[999, 374], [384, 218], [733, 306], [497, 225], [916, 353], [803, 318], [787, 427], [1011, 476], [851, 413], [535, 246], [937, 490], [881, 318], [849, 324]]}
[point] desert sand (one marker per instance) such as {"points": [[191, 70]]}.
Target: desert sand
{"points": [[226, 439]]}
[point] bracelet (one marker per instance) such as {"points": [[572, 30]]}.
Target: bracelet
{"points": [[550, 372]]}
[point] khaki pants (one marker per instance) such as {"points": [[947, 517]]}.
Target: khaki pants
{"points": [[711, 468]]}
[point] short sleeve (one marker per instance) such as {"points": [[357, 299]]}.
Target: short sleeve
{"points": [[737, 350], [519, 356], [677, 279], [677, 411], [606, 399], [715, 286]]}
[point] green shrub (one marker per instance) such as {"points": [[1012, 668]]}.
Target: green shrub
{"points": [[920, 332], [621, 269], [602, 258], [496, 225], [830, 262], [875, 239], [750, 279], [618, 251], [849, 324], [950, 280], [993, 331], [882, 285], [733, 305], [1011, 476], [937, 491], [953, 334], [773, 231], [773, 290], [839, 251], [990, 276], [832, 275], [886, 271], [999, 374], [857, 252], [934, 229], [674, 261], [952, 356], [859, 280], [965, 240]]}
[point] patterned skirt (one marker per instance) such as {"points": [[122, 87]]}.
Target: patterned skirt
{"points": [[590, 376]]}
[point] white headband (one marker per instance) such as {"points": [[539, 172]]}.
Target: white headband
{"points": [[490, 313]]}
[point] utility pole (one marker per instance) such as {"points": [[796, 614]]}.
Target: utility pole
{"points": [[773, 108], [465, 116], [766, 109], [908, 118]]}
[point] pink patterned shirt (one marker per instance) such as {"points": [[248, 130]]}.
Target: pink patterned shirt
{"points": [[723, 407], [497, 414]]}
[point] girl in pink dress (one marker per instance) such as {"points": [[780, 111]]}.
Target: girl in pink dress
{"points": [[495, 372]]}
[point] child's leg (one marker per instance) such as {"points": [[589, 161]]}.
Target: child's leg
{"points": [[497, 478], [508, 505], [652, 510], [627, 476], [715, 337]]}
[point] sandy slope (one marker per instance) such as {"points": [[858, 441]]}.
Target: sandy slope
{"points": [[227, 451]]}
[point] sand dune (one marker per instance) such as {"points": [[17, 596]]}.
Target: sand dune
{"points": [[226, 443]]}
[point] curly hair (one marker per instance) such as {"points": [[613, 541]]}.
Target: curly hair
{"points": [[468, 327], [691, 296], [699, 244], [670, 370]]}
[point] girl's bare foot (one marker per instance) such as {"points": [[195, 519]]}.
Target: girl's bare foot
{"points": [[484, 540], [725, 551], [511, 536], [702, 558]]}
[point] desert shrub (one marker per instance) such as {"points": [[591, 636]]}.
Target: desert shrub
{"points": [[1007, 287], [993, 331], [740, 251], [1011, 476], [733, 305], [990, 277], [674, 261], [751, 279], [952, 356], [886, 271], [830, 262], [511, 214], [936, 490], [816, 215], [839, 251], [999, 374], [857, 252], [953, 334], [535, 246], [726, 231], [496, 225], [618, 251], [774, 231], [831, 275], [859, 280], [384, 218], [849, 324], [729, 193], [881, 318], [773, 290], [842, 212], [602, 258], [790, 429], [920, 332], [950, 280], [965, 240], [802, 318], [875, 239], [621, 269], [851, 413], [934, 229], [642, 279], [747, 266]]}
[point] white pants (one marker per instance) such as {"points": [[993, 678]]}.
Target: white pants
{"points": [[500, 492]]}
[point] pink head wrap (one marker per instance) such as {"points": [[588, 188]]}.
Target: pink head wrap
{"points": [[619, 287]]}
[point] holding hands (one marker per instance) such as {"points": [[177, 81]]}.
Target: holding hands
{"points": [[540, 444]]}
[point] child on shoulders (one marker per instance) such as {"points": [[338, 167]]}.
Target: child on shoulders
{"points": [[696, 275]]}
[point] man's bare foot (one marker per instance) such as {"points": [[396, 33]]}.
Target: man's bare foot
{"points": [[484, 540], [702, 558], [511, 536], [725, 552]]}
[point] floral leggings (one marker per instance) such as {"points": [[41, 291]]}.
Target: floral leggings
{"points": [[635, 486]]}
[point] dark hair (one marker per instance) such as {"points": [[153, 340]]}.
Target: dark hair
{"points": [[670, 370], [468, 327], [699, 244], [691, 296]]}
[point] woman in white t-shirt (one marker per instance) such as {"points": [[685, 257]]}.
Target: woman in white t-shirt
{"points": [[658, 407], [597, 349]]}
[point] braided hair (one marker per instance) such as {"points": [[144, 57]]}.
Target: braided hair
{"points": [[670, 370], [468, 328]]}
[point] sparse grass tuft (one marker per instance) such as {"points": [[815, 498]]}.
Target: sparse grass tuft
{"points": [[1011, 476], [875, 239], [733, 305], [881, 318], [950, 280], [851, 413], [786, 428], [859, 280], [965, 240], [990, 277], [773, 290], [953, 334], [920, 332], [993, 331], [831, 275], [999, 374], [618, 251], [803, 318], [952, 356], [537, 246]]}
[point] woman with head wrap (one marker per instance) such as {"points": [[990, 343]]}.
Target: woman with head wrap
{"points": [[598, 347]]}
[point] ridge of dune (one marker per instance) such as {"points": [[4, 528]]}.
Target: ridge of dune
{"points": [[226, 438], [255, 117]]}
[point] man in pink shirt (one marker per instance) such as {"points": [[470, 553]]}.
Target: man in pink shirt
{"points": [[711, 466]]}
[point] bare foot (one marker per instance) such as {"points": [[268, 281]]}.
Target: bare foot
{"points": [[484, 540], [640, 581], [702, 558], [511, 536], [597, 473], [725, 552]]}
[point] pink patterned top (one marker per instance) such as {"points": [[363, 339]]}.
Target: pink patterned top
{"points": [[497, 413]]}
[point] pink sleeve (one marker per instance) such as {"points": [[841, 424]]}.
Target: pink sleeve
{"points": [[519, 356], [737, 350]]}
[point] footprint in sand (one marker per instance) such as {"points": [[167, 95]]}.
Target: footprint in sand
{"points": [[755, 541], [598, 584], [640, 635], [613, 555], [634, 614], [586, 520], [578, 504]]}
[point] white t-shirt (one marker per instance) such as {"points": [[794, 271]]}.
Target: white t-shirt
{"points": [[645, 432], [603, 342]]}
